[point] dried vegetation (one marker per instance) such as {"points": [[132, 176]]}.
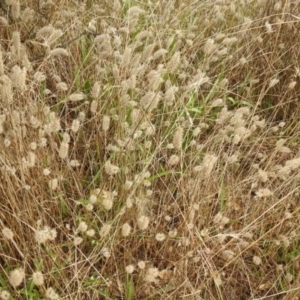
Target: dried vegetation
{"points": [[149, 149]]}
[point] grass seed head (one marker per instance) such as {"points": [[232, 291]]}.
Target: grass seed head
{"points": [[16, 277]]}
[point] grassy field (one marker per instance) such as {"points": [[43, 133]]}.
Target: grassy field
{"points": [[149, 149]]}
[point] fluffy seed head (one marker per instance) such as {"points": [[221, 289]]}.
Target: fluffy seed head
{"points": [[141, 264], [16, 44], [173, 160], [126, 228], [273, 82], [154, 80], [89, 207], [90, 232], [51, 294], [75, 125], [177, 138], [63, 150], [111, 169], [76, 97], [94, 107], [126, 57], [82, 227], [66, 138], [159, 53], [59, 52], [268, 27], [129, 269], [160, 237], [263, 193], [150, 101], [104, 231], [4, 295], [107, 200], [151, 275], [292, 85], [77, 240], [7, 233], [15, 9], [105, 252], [105, 123], [38, 278], [143, 222], [39, 77], [16, 277], [173, 63], [148, 51], [61, 86], [209, 47], [46, 172], [18, 77], [256, 260], [95, 92], [45, 234]]}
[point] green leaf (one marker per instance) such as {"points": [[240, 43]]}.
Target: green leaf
{"points": [[2, 281], [247, 103], [87, 87], [129, 288], [77, 78]]}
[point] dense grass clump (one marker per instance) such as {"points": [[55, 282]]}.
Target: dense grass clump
{"points": [[149, 149]]}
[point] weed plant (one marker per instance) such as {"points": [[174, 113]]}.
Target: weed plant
{"points": [[149, 149]]}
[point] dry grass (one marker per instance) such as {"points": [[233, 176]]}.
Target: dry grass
{"points": [[149, 149]]}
